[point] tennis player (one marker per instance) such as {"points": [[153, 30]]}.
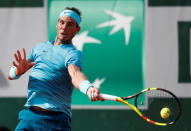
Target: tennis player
{"points": [[56, 69]]}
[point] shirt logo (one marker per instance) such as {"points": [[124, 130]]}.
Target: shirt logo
{"points": [[44, 51]]}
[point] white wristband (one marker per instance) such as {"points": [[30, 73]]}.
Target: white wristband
{"points": [[84, 86], [12, 73]]}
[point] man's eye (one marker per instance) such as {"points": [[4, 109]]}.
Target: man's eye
{"points": [[61, 22], [70, 24]]}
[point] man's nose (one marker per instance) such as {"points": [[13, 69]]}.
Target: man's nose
{"points": [[64, 26]]}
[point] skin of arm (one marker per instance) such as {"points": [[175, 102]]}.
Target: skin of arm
{"points": [[77, 77]]}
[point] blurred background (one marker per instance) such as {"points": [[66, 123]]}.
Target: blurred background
{"points": [[127, 45]]}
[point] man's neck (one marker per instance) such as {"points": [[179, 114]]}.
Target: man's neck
{"points": [[59, 42]]}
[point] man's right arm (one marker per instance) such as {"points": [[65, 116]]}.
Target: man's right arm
{"points": [[20, 66]]}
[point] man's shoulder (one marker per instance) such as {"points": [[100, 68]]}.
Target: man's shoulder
{"points": [[71, 49], [42, 44], [75, 51]]}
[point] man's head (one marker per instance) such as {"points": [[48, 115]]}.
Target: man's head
{"points": [[68, 24]]}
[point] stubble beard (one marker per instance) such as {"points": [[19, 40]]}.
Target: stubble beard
{"points": [[59, 41]]}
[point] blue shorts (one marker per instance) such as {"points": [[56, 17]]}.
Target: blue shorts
{"points": [[35, 120]]}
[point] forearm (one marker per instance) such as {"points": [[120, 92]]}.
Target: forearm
{"points": [[81, 82], [77, 77]]}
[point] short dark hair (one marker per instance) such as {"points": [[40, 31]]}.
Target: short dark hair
{"points": [[75, 10]]}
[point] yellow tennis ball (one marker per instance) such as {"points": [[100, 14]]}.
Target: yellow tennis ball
{"points": [[165, 113]]}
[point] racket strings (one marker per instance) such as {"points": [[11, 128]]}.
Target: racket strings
{"points": [[154, 101]]}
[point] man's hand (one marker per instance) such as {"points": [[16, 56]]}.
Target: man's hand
{"points": [[22, 63], [93, 94]]}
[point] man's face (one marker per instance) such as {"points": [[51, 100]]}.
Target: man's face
{"points": [[66, 28]]}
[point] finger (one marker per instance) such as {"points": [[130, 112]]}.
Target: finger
{"points": [[24, 54], [16, 58], [95, 95], [98, 96], [92, 97], [19, 55], [15, 64], [31, 64], [96, 92], [101, 99]]}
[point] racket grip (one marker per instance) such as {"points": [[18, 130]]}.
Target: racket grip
{"points": [[108, 97]]}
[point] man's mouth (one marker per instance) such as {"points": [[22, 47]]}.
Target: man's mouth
{"points": [[63, 33]]}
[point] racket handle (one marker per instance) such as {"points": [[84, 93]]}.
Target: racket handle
{"points": [[108, 97]]}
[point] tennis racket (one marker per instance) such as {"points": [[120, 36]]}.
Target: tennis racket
{"points": [[155, 99]]}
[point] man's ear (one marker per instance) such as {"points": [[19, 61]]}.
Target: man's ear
{"points": [[78, 29]]}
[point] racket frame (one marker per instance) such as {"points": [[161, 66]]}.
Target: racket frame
{"points": [[135, 107]]}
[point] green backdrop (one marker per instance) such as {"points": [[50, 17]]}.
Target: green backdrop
{"points": [[118, 61], [100, 56]]}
